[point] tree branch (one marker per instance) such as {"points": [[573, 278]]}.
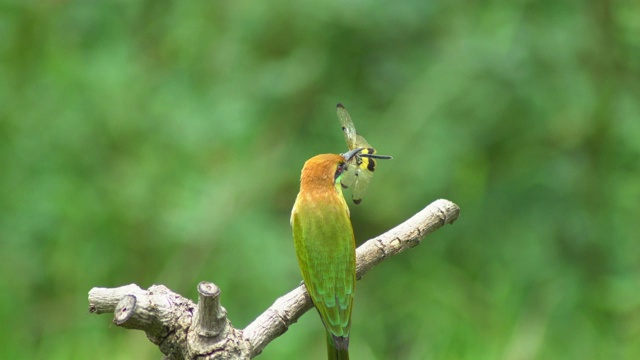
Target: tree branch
{"points": [[184, 330]]}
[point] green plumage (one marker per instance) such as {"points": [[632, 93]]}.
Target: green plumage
{"points": [[325, 247]]}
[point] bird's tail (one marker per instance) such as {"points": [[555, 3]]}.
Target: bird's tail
{"points": [[337, 347]]}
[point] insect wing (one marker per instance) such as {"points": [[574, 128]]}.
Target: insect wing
{"points": [[356, 177], [350, 175], [359, 189], [348, 128], [362, 143]]}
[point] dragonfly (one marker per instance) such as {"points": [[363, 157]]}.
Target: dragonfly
{"points": [[359, 170]]}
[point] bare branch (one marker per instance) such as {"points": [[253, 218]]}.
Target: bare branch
{"points": [[183, 330], [276, 320], [407, 235]]}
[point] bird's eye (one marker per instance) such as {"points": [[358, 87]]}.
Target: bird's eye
{"points": [[339, 170]]}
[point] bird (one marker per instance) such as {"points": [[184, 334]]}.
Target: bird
{"points": [[325, 246], [323, 235]]}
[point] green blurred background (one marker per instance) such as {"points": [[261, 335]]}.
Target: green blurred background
{"points": [[160, 142]]}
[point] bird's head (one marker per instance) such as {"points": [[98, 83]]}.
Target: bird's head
{"points": [[325, 170]]}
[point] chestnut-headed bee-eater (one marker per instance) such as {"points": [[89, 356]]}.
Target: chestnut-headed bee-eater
{"points": [[323, 235]]}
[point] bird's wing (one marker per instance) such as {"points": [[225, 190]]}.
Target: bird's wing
{"points": [[325, 246]]}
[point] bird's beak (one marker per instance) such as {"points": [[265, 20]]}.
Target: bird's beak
{"points": [[348, 155]]}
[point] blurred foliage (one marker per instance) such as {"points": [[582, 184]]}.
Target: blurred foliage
{"points": [[160, 142]]}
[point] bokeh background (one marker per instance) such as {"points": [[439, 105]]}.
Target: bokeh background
{"points": [[160, 142]]}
